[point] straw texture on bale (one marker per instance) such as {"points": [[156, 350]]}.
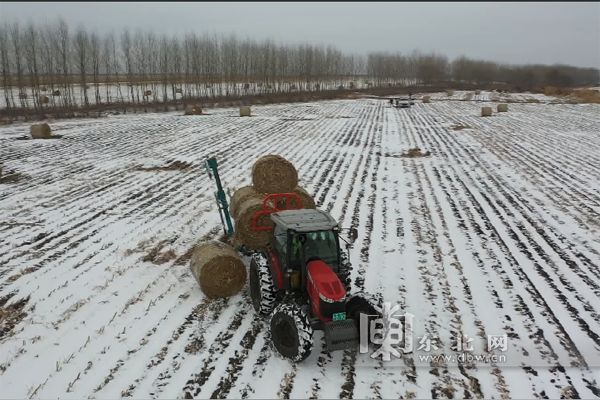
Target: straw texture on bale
{"points": [[486, 111], [254, 240], [307, 200], [240, 196], [193, 110], [426, 99], [218, 269], [40, 131], [502, 107], [274, 174], [245, 111]]}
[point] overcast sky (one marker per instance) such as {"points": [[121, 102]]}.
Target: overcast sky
{"points": [[547, 33]]}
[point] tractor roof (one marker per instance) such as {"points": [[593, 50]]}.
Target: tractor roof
{"points": [[305, 220]]}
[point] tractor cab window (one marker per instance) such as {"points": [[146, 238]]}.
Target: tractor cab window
{"points": [[321, 244]]}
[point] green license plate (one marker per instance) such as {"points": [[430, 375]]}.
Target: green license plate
{"points": [[339, 316]]}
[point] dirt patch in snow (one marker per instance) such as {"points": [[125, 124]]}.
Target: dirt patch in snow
{"points": [[415, 153], [460, 127], [13, 177], [172, 165], [156, 254], [11, 315]]}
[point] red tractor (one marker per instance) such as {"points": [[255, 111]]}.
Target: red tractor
{"points": [[302, 280]]}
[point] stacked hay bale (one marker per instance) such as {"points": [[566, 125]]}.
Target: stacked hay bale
{"points": [[218, 269], [245, 111], [41, 131], [426, 99], [486, 111], [502, 107], [193, 110], [270, 174]]}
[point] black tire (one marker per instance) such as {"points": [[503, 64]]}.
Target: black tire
{"points": [[262, 288], [362, 303], [344, 271], [291, 332]]}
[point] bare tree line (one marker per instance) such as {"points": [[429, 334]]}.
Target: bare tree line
{"points": [[53, 66], [436, 69]]}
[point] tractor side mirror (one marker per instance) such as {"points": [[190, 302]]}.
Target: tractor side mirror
{"points": [[352, 235]]}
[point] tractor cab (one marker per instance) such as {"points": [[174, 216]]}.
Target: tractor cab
{"points": [[300, 236]]}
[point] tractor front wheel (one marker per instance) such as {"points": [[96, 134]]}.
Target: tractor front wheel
{"points": [[291, 332]]}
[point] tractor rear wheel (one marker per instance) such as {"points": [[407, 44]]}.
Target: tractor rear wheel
{"points": [[262, 289], [291, 332]]}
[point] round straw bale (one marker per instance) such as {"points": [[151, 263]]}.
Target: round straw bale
{"points": [[193, 110], [245, 111], [486, 111], [243, 225], [274, 174], [241, 195], [44, 100], [218, 269], [40, 131], [307, 200], [502, 107], [426, 99]]}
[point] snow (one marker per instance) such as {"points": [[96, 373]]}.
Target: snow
{"points": [[496, 232]]}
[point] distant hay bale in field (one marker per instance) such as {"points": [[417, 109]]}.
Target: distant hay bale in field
{"points": [[240, 196], [274, 174], [502, 107], [218, 269], [22, 95], [426, 99], [486, 111], [244, 234], [478, 92], [245, 111], [44, 99], [450, 93], [40, 131], [56, 93], [193, 110], [148, 93]]}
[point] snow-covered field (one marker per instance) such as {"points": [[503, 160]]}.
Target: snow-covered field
{"points": [[497, 232]]}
